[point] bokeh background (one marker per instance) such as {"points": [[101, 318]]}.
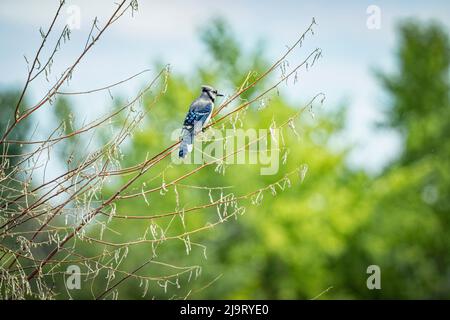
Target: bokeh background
{"points": [[378, 154]]}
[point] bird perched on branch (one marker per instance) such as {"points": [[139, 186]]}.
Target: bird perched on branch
{"points": [[197, 118]]}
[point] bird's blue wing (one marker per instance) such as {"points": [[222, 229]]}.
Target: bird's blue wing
{"points": [[198, 113]]}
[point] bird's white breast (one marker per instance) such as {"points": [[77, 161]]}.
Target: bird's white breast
{"points": [[209, 117]]}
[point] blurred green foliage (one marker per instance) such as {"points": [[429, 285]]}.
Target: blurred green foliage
{"points": [[408, 230], [318, 233], [326, 231], [9, 152]]}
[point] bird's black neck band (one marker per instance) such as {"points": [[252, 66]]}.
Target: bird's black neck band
{"points": [[209, 95]]}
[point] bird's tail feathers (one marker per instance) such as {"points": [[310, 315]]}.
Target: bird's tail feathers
{"points": [[187, 140]]}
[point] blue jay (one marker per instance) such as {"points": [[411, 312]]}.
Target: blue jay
{"points": [[197, 118]]}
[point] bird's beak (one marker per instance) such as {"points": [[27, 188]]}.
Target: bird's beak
{"points": [[220, 95]]}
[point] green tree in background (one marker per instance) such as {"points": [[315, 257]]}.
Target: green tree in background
{"points": [[420, 91], [314, 234], [323, 231], [8, 99], [8, 153], [281, 248], [408, 230]]}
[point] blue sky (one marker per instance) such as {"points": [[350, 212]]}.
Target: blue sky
{"points": [[168, 31]]}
